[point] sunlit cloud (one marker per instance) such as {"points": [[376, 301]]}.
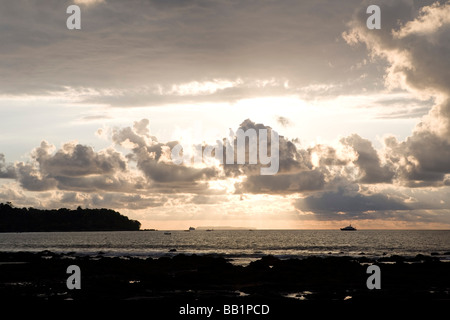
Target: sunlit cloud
{"points": [[364, 116]]}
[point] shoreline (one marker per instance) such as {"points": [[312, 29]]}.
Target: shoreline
{"points": [[42, 276], [241, 258]]}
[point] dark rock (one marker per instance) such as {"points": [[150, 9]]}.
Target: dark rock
{"points": [[393, 258], [420, 257], [199, 277]]}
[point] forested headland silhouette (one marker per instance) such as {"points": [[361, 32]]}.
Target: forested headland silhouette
{"points": [[13, 219]]}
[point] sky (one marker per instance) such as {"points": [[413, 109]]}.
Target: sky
{"points": [[89, 117]]}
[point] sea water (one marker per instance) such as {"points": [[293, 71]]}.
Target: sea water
{"points": [[241, 246]]}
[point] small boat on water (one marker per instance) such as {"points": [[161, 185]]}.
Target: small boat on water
{"points": [[348, 228], [167, 233], [191, 228]]}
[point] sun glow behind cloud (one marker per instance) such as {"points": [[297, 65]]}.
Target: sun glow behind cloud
{"points": [[363, 116]]}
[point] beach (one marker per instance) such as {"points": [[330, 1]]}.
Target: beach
{"points": [[214, 279], [272, 274]]}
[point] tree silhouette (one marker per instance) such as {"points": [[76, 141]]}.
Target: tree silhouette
{"points": [[14, 219]]}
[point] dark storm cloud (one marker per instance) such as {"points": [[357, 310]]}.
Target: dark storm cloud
{"points": [[368, 161], [75, 167], [350, 201], [162, 172], [7, 170], [423, 159], [30, 178], [77, 160], [343, 205], [127, 50]]}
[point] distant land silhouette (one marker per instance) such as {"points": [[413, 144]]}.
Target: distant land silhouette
{"points": [[14, 219], [224, 228]]}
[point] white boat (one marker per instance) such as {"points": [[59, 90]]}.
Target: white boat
{"points": [[348, 228]]}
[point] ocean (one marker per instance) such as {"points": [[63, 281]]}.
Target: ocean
{"points": [[240, 246]]}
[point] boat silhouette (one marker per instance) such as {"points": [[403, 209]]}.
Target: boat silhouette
{"points": [[348, 228]]}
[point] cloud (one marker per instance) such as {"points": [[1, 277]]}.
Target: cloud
{"points": [[304, 170], [348, 201], [208, 199], [421, 160], [31, 179], [342, 182], [327, 156], [173, 51], [403, 107], [344, 205], [7, 170], [415, 43], [368, 161], [154, 158], [285, 122], [111, 200], [74, 160], [430, 20], [75, 167], [88, 2], [283, 183], [291, 159]]}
